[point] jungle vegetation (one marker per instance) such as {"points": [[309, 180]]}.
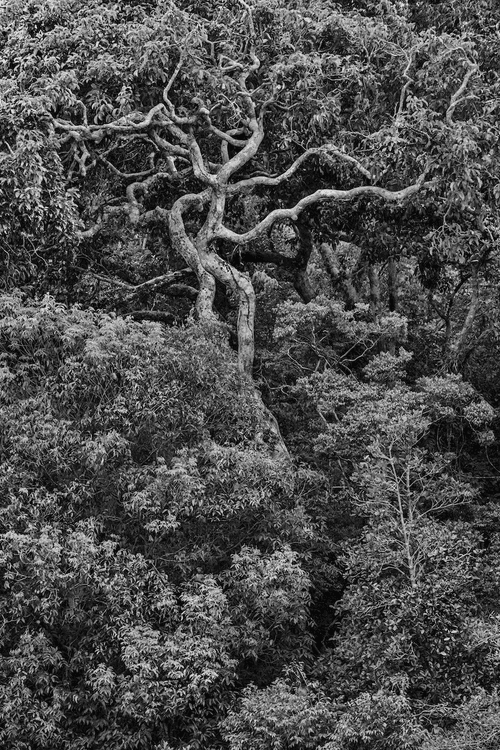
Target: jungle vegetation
{"points": [[249, 375]]}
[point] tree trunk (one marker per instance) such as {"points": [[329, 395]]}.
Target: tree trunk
{"points": [[374, 281], [208, 267], [302, 282], [457, 343], [187, 249], [344, 280], [393, 284], [327, 254], [240, 283]]}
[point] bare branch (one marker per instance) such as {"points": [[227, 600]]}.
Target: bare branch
{"points": [[247, 153], [172, 149], [134, 122], [172, 78], [255, 60], [187, 248], [125, 175], [81, 159], [457, 97], [408, 80], [320, 196], [200, 170], [325, 151], [227, 136], [142, 187], [166, 279], [108, 213]]}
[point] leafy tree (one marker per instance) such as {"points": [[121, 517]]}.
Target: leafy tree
{"points": [[314, 185], [126, 620]]}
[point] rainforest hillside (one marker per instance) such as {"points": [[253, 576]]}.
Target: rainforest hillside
{"points": [[249, 375]]}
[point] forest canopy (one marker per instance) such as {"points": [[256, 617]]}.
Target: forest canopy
{"points": [[249, 375]]}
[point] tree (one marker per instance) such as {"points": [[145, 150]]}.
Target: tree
{"points": [[176, 138], [146, 533]]}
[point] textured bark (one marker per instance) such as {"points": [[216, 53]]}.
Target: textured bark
{"points": [[187, 249], [241, 285]]}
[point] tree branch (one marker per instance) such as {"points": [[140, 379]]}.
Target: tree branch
{"points": [[127, 124], [156, 316], [108, 213], [408, 80], [326, 152], [457, 97], [280, 214], [165, 279], [125, 175]]}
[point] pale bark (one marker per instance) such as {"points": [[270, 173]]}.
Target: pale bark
{"points": [[198, 251], [319, 196], [241, 284], [188, 250]]}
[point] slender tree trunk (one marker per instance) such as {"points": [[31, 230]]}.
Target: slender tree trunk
{"points": [[351, 293], [393, 284], [344, 280], [457, 343], [327, 254], [374, 281], [302, 281]]}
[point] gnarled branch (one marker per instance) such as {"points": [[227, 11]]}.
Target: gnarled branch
{"points": [[320, 196]]}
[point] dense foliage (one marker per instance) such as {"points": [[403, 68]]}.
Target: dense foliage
{"points": [[249, 459]]}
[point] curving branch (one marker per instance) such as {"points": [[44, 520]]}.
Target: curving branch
{"points": [[173, 78], [126, 175], [134, 122], [320, 196], [408, 80], [108, 214], [325, 152], [457, 98], [255, 60]]}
